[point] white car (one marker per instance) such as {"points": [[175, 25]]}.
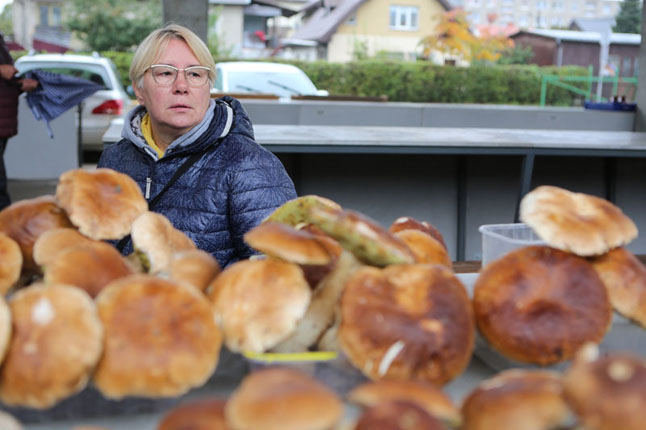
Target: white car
{"points": [[283, 80], [98, 109]]}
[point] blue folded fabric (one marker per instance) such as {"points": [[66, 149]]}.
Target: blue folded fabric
{"points": [[56, 93]]}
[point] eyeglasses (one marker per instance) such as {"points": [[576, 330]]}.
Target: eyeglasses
{"points": [[165, 75]]}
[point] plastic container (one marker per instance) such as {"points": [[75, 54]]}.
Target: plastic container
{"points": [[499, 239]]}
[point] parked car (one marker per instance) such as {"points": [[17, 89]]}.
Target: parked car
{"points": [[98, 109], [283, 80]]}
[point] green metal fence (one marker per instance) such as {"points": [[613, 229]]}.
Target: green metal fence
{"points": [[566, 82]]}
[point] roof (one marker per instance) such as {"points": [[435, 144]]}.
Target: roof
{"points": [[323, 23], [584, 36], [285, 11], [598, 25]]}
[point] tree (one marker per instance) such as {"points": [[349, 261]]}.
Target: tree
{"points": [[452, 36], [116, 25], [516, 55], [629, 18], [215, 42], [6, 26]]}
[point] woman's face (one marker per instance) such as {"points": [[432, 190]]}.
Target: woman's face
{"points": [[177, 108]]}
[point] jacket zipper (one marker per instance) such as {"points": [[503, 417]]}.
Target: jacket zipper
{"points": [[148, 182]]}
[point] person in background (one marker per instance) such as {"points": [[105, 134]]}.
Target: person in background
{"points": [[229, 182], [10, 89]]}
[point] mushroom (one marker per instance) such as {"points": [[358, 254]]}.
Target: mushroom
{"points": [[102, 203], [160, 338], [282, 399], [56, 343]]}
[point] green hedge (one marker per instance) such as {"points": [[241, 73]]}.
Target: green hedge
{"points": [[424, 82], [427, 83]]}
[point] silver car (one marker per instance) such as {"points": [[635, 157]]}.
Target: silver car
{"points": [[98, 109]]}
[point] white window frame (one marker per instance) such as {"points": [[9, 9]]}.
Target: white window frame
{"points": [[406, 14]]}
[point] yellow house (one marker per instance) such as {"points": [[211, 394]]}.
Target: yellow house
{"points": [[347, 29]]}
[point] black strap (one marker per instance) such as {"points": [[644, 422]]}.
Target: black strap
{"points": [[179, 172]]}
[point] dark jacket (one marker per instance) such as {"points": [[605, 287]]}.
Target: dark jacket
{"points": [[9, 92], [224, 194]]}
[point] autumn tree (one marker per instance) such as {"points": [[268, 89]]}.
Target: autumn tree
{"points": [[452, 36]]}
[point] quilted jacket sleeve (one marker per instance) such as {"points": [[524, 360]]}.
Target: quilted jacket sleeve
{"points": [[256, 189]]}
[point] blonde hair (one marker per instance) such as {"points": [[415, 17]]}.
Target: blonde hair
{"points": [[151, 48]]}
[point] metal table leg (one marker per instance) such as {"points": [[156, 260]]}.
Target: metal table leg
{"points": [[526, 170]]}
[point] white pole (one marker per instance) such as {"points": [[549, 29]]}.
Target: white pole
{"points": [[604, 43]]}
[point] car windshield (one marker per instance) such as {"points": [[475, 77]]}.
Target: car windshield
{"points": [[91, 72], [279, 83]]}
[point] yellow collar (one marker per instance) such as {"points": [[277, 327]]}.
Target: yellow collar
{"points": [[147, 131]]}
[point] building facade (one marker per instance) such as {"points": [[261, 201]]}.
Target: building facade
{"points": [[536, 13]]}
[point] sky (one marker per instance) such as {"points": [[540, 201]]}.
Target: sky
{"points": [[3, 3]]}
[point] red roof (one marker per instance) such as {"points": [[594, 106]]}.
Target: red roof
{"points": [[40, 45]]}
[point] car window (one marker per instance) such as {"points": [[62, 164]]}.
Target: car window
{"points": [[280, 83], [90, 72]]}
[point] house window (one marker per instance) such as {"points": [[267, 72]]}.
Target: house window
{"points": [[56, 16], [626, 66], [44, 16], [403, 17]]}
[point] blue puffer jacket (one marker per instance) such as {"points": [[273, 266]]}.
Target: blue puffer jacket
{"points": [[224, 194]]}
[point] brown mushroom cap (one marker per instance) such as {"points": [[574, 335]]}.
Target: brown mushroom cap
{"points": [[160, 338], [407, 322], [10, 263], [102, 203], [5, 328], [259, 302], [89, 266], [282, 399], [194, 267], [285, 242], [607, 393], [398, 415], [625, 278], [579, 223], [55, 240], [427, 396], [539, 305], [410, 223], [25, 220], [154, 236], [206, 414], [425, 248], [517, 399], [56, 344]]}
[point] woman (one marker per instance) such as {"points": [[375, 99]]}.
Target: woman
{"points": [[230, 183]]}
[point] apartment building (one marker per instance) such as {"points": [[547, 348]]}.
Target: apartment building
{"points": [[536, 13]]}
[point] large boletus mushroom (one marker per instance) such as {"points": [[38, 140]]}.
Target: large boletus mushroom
{"points": [[57, 341], [156, 240], [160, 338], [580, 223], [258, 303], [89, 266], [279, 398], [25, 220], [539, 305], [407, 322], [609, 392], [102, 203], [517, 399]]}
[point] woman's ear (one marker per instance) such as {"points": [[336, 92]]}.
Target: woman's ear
{"points": [[137, 93]]}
